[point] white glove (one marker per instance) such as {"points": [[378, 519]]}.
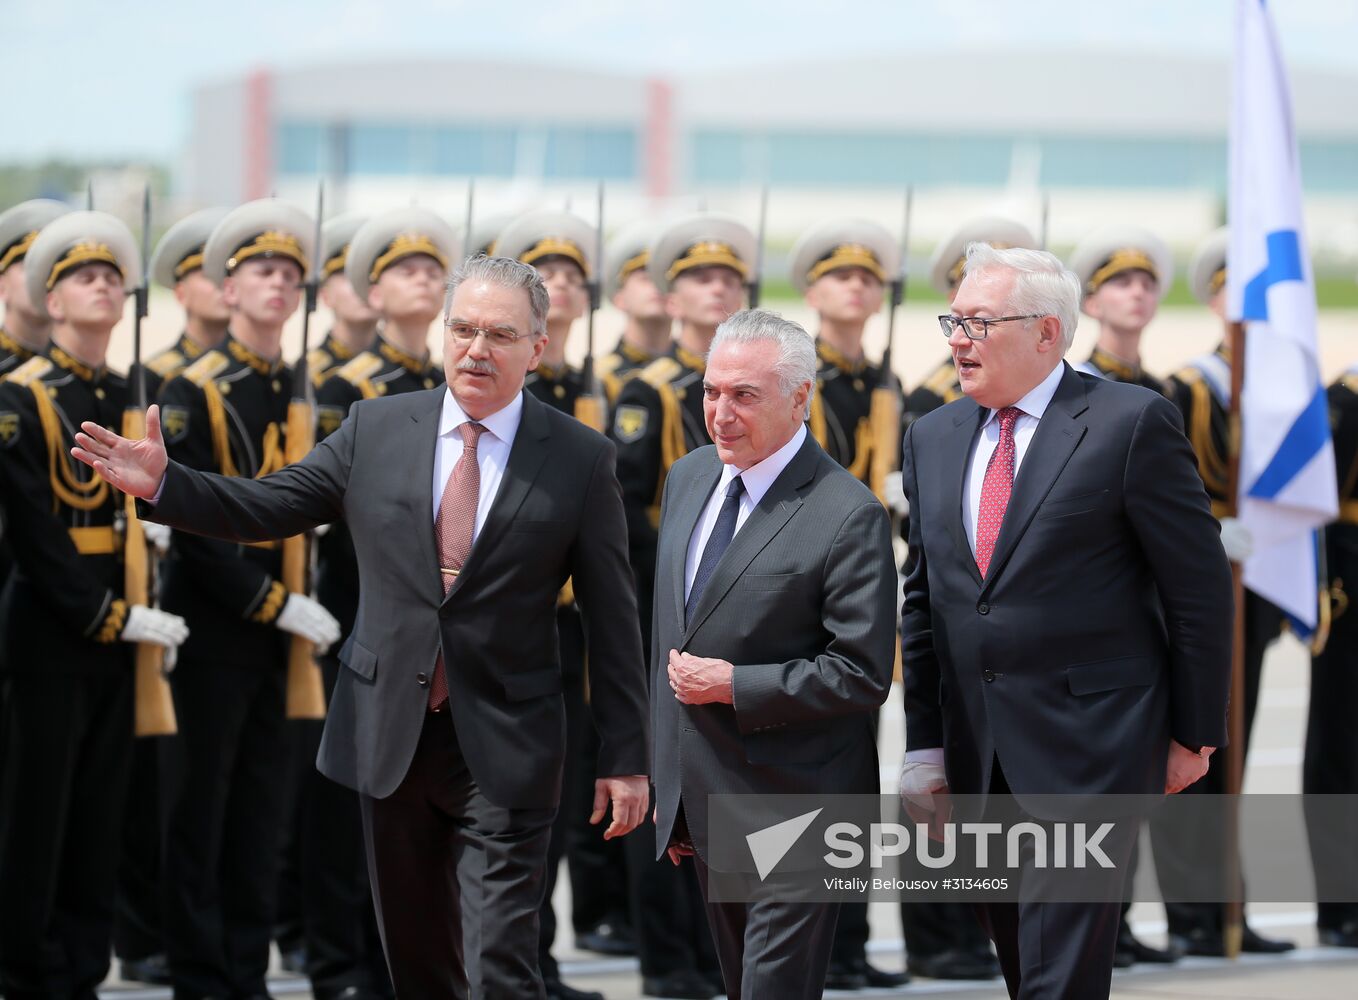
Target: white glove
{"points": [[149, 625], [157, 535], [301, 615], [320, 530], [919, 781], [1236, 539], [895, 494]]}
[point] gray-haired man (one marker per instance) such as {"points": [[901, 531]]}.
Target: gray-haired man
{"points": [[773, 633], [471, 505]]}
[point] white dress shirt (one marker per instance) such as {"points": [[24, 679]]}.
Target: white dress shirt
{"points": [[1033, 405], [757, 479], [492, 451]]}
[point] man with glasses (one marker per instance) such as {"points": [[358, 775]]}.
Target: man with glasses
{"points": [[447, 718], [1057, 522]]}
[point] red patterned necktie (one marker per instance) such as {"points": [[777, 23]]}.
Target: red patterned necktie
{"points": [[454, 526], [995, 489]]}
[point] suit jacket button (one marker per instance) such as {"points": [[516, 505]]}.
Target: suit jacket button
{"points": [[983, 608], [988, 675], [422, 680]]}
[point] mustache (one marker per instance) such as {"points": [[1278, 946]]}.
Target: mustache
{"points": [[477, 365]]}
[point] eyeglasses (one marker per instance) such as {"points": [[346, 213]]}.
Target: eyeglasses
{"points": [[496, 336], [977, 327]]}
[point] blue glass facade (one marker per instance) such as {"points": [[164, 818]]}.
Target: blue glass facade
{"points": [[802, 158]]}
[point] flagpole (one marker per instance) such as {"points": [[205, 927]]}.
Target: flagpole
{"points": [[1233, 912]]}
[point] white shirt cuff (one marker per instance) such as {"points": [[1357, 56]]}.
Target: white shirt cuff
{"points": [[929, 755]]}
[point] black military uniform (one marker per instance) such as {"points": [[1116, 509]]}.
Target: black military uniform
{"points": [[70, 693], [1330, 764], [620, 364], [1105, 365], [325, 359], [222, 788], [840, 408]]}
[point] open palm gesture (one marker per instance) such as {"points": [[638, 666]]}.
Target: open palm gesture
{"points": [[135, 467]]}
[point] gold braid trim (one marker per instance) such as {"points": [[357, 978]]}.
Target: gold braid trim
{"points": [[273, 603], [818, 428], [1211, 464], [114, 621], [66, 488], [272, 459]]}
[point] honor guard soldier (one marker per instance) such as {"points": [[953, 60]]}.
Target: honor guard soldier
{"points": [[23, 334], [27, 325], [1202, 392], [841, 268], [177, 264], [138, 941], [702, 264], [560, 246], [1124, 273], [223, 772], [1330, 765], [629, 285], [395, 266], [945, 274], [353, 327], [69, 634]]}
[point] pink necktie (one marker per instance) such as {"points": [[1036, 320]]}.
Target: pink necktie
{"points": [[454, 526], [995, 490]]}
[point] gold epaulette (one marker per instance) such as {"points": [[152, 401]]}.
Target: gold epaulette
{"points": [[661, 372], [1188, 375], [206, 368], [30, 371], [317, 358], [941, 381], [359, 370], [167, 363]]}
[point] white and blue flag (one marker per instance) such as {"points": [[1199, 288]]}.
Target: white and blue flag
{"points": [[1287, 474]]}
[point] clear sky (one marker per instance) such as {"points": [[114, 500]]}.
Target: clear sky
{"points": [[87, 79]]}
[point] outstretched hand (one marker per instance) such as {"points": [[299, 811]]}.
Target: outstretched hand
{"points": [[135, 467]]}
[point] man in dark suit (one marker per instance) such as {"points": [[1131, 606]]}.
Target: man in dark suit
{"points": [[1067, 611], [772, 634], [459, 766]]}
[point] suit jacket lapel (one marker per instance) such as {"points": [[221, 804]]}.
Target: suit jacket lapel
{"points": [[1058, 433], [774, 510], [526, 456], [687, 512], [957, 451], [424, 437]]}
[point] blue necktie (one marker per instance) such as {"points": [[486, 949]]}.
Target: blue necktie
{"points": [[722, 533]]}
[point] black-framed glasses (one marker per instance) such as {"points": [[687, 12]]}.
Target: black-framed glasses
{"points": [[496, 336], [977, 327]]}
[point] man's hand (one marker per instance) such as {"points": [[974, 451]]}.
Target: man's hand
{"points": [[154, 626], [924, 793], [304, 616], [1185, 766], [1236, 539], [157, 535], [629, 794], [135, 467], [700, 680]]}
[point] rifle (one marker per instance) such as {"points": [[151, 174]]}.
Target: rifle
{"points": [[757, 275], [884, 416], [306, 694], [589, 405], [467, 248], [154, 713], [1046, 212]]}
